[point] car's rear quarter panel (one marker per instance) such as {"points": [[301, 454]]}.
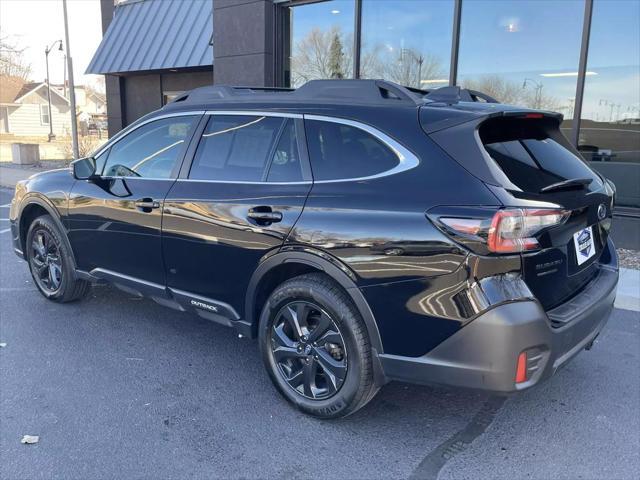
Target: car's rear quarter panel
{"points": [[378, 229]]}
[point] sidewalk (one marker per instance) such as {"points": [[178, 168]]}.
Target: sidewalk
{"points": [[11, 174], [628, 287]]}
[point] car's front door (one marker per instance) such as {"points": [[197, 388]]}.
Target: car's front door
{"points": [[244, 190], [114, 221]]}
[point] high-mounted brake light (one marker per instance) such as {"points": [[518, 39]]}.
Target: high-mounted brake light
{"points": [[533, 115], [510, 230]]}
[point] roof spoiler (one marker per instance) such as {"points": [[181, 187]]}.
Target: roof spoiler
{"points": [[453, 95]]}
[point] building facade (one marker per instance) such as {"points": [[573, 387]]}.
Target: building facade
{"points": [[578, 57], [151, 51]]}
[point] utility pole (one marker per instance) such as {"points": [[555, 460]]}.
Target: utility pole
{"points": [[72, 89], [47, 50]]}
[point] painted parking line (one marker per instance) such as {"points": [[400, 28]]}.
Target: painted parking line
{"points": [[5, 230], [5, 206]]}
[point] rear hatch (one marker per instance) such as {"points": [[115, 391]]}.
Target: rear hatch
{"points": [[526, 161]]}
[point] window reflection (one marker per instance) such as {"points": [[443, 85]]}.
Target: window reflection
{"points": [[610, 127], [407, 42], [610, 124], [523, 53], [321, 41]]}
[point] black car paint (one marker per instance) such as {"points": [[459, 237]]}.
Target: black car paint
{"points": [[198, 251]]}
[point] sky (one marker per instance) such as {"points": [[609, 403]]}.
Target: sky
{"points": [[36, 24]]}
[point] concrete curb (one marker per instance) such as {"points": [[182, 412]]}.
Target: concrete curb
{"points": [[628, 295]]}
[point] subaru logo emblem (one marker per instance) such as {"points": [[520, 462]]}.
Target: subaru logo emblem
{"points": [[602, 211]]}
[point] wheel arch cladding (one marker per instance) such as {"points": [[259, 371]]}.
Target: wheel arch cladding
{"points": [[36, 207], [282, 266]]}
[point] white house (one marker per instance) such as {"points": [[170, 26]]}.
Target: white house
{"points": [[24, 109], [89, 103]]}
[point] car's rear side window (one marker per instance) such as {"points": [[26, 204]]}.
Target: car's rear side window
{"points": [[339, 151], [236, 148]]}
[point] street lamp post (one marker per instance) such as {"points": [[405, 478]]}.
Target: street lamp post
{"points": [[47, 50]]}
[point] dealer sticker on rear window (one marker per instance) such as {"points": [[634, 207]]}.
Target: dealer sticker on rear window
{"points": [[585, 248]]}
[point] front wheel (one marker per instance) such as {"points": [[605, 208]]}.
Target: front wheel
{"points": [[315, 347], [50, 262]]}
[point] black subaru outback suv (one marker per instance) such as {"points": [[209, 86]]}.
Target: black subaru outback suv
{"points": [[362, 231]]}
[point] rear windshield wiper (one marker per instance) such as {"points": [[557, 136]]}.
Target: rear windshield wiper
{"points": [[567, 184]]}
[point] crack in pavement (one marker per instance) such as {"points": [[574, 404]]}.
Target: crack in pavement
{"points": [[430, 466]]}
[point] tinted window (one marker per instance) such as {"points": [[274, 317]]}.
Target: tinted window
{"points": [[341, 151], [285, 164], [235, 148], [151, 150], [532, 164]]}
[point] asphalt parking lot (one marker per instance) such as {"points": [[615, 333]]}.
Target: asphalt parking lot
{"points": [[118, 387]]}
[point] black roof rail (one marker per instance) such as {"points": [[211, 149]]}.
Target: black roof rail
{"points": [[365, 91], [347, 90], [368, 91]]}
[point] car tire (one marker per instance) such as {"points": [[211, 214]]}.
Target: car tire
{"points": [[334, 366], [51, 262]]}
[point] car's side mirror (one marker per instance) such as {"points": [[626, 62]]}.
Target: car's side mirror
{"points": [[84, 168]]}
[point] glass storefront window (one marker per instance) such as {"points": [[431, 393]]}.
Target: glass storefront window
{"points": [[407, 42], [523, 53], [610, 124], [321, 41]]}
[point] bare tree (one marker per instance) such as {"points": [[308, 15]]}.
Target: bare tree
{"points": [[312, 56], [407, 67], [12, 62], [511, 92]]}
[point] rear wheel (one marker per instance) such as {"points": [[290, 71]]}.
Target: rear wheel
{"points": [[315, 347], [50, 262]]}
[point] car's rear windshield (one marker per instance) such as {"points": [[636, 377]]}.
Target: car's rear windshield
{"points": [[530, 158]]}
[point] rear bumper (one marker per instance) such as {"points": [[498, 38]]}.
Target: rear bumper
{"points": [[483, 355]]}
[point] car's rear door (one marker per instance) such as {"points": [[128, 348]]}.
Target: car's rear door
{"points": [[115, 220], [234, 203]]}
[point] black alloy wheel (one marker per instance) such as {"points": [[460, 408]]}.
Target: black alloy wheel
{"points": [[51, 262], [46, 261], [309, 350]]}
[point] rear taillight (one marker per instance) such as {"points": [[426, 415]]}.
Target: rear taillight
{"points": [[515, 230], [509, 230]]}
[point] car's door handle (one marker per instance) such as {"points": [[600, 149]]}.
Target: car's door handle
{"points": [[147, 204], [264, 215]]}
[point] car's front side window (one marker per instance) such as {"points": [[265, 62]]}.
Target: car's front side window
{"points": [[150, 151]]}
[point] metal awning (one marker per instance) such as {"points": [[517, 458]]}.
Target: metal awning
{"points": [[156, 35]]}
